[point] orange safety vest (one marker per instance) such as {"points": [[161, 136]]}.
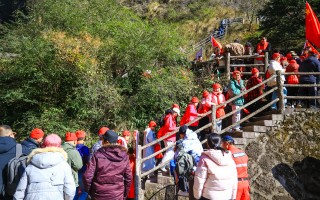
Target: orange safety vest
{"points": [[241, 160]]}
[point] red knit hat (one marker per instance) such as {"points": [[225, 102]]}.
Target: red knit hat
{"points": [[52, 140], [71, 137], [254, 71], [152, 124], [205, 94], [275, 55], [289, 56], [126, 133], [36, 133], [195, 100], [103, 130], [80, 134], [216, 86]]}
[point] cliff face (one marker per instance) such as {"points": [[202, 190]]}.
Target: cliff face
{"points": [[283, 164]]}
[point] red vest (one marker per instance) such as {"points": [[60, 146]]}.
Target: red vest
{"points": [[241, 160]]}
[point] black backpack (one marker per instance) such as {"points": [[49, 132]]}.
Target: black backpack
{"points": [[15, 169], [161, 121]]}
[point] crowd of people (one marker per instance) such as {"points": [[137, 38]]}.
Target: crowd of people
{"points": [[214, 170]]}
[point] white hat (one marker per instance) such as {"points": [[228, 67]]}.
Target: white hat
{"points": [[177, 110]]}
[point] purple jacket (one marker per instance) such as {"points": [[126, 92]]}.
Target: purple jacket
{"points": [[108, 175]]}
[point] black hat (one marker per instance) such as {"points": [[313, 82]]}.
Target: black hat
{"points": [[183, 129], [110, 136]]}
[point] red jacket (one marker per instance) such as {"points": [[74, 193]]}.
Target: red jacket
{"points": [[189, 115], [132, 159], [108, 174], [263, 48], [218, 98], [169, 126], [205, 104]]}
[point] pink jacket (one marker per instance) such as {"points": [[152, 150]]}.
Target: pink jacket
{"points": [[216, 176], [218, 98]]}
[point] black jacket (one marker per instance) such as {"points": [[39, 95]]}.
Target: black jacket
{"points": [[30, 144], [7, 152], [310, 64]]}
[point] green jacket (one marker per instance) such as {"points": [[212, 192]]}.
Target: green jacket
{"points": [[74, 160]]}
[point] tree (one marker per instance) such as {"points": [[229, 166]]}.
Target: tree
{"points": [[283, 22]]}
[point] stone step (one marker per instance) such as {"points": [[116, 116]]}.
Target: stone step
{"points": [[262, 123], [250, 135], [165, 179], [259, 129], [274, 117]]}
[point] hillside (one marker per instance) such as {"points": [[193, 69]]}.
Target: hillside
{"points": [[83, 64]]}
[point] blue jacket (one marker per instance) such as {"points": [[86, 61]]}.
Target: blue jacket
{"points": [[85, 155], [30, 143], [7, 152], [311, 64]]}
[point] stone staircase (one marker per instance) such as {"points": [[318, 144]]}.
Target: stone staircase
{"points": [[250, 130]]}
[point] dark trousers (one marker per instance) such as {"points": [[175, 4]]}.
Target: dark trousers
{"points": [[292, 91], [308, 91]]}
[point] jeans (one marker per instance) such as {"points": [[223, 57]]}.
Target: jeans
{"points": [[275, 95], [82, 194]]}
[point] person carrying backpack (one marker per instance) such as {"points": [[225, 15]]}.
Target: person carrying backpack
{"points": [[7, 152], [187, 155], [34, 140], [48, 175]]}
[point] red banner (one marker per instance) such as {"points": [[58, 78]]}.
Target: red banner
{"points": [[215, 43], [312, 26]]}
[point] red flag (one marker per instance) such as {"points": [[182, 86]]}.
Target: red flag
{"points": [[215, 43], [308, 44], [312, 26]]}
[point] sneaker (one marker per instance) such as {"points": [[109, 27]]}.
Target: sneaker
{"points": [[181, 193], [163, 169]]}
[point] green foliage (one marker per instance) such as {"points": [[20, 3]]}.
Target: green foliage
{"points": [[80, 65], [284, 22]]}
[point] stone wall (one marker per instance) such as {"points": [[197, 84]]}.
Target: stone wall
{"points": [[296, 138]]}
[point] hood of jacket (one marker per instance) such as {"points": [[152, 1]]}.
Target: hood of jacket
{"points": [[7, 143], [47, 157], [190, 135], [114, 152], [218, 157]]}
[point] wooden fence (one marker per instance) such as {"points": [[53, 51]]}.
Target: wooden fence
{"points": [[280, 100]]}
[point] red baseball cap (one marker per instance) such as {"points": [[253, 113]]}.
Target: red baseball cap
{"points": [[152, 124], [36, 133], [254, 70], [195, 100], [71, 137], [103, 130], [275, 55], [126, 133], [80, 134], [216, 86]]}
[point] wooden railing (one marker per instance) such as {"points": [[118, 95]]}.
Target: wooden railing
{"points": [[281, 106]]}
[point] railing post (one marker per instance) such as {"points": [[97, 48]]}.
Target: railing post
{"points": [[280, 91], [228, 66], [213, 117], [266, 61], [137, 178]]}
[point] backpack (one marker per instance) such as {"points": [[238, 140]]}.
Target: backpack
{"points": [[15, 169], [184, 164], [161, 121]]}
